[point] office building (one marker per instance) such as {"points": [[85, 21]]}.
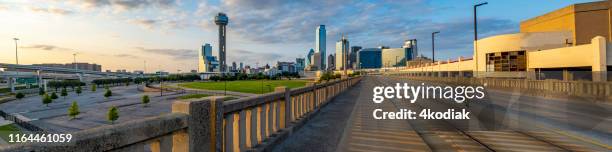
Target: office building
{"points": [[206, 61], [300, 64], [320, 45], [555, 45], [332, 62], [316, 58], [353, 57], [369, 58], [342, 52], [286, 67], [397, 57], [309, 57], [413, 48]]}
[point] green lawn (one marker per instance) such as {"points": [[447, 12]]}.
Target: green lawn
{"points": [[8, 129], [191, 96], [246, 86]]}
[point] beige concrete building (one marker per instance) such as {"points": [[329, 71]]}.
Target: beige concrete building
{"points": [[571, 39]]}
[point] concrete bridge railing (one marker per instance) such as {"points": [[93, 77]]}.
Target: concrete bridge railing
{"points": [[254, 123], [578, 88]]}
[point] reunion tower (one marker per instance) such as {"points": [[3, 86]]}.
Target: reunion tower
{"points": [[222, 20]]}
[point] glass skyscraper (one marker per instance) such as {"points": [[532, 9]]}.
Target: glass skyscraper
{"points": [[369, 58], [320, 45]]}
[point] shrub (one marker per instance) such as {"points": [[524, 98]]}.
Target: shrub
{"points": [[112, 115], [93, 88], [78, 90], [145, 100], [46, 100], [108, 93], [53, 96], [64, 93], [41, 91], [19, 95], [73, 111]]}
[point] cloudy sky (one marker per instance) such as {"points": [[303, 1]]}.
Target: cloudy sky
{"points": [[123, 34]]}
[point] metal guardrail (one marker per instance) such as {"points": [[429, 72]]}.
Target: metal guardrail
{"points": [[22, 123]]}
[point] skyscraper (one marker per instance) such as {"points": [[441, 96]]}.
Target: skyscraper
{"points": [[234, 67], [369, 58], [299, 64], [222, 20], [205, 59], [342, 52], [309, 57], [353, 57], [331, 59], [320, 46]]}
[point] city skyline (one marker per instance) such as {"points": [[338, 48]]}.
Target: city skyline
{"points": [[123, 35]]}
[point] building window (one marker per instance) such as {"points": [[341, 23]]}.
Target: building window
{"points": [[507, 61]]}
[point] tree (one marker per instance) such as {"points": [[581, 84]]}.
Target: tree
{"points": [[46, 100], [73, 111], [108, 93], [112, 114], [78, 90], [19, 95], [41, 91], [145, 100], [64, 93], [53, 96], [93, 88]]}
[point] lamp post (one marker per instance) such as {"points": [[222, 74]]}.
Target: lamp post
{"points": [[161, 82], [433, 46], [76, 69], [395, 62], [476, 34], [16, 58]]}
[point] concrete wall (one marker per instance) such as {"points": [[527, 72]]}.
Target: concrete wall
{"points": [[584, 21], [595, 55], [517, 42], [588, 55], [560, 20], [561, 57], [592, 19]]}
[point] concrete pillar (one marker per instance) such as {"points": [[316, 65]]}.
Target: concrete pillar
{"points": [[599, 67], [531, 74], [39, 80], [286, 112], [567, 75], [205, 117], [162, 144]]}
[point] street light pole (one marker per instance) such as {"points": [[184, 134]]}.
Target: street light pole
{"points": [[16, 58], [396, 62], [76, 69], [476, 34], [433, 46]]}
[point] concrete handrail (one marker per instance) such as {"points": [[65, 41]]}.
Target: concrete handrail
{"points": [[129, 136], [578, 88], [208, 124]]}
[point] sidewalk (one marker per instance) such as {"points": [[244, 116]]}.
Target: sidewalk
{"points": [[323, 132]]}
